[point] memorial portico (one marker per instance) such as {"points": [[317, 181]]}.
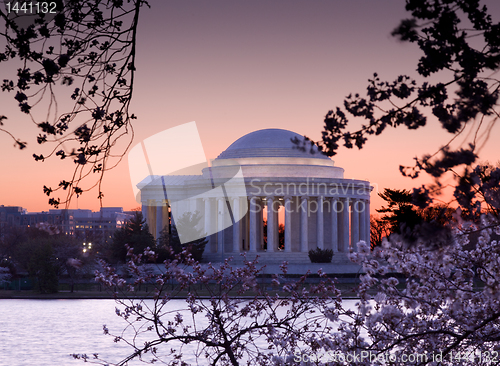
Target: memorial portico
{"points": [[302, 190]]}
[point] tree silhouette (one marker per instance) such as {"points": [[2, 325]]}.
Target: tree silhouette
{"points": [[136, 234], [45, 256], [399, 210], [281, 235], [88, 47], [430, 224], [379, 229], [170, 245], [461, 55]]}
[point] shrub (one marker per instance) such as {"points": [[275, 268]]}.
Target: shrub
{"points": [[321, 255]]}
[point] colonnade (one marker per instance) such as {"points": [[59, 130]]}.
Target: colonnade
{"points": [[157, 216], [336, 223]]}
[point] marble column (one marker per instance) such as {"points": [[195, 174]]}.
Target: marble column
{"points": [[159, 219], [362, 220], [260, 223], [253, 212], [221, 202], [334, 225], [193, 206], [276, 223], [152, 217], [247, 228], [145, 212], [236, 226], [367, 220], [288, 224], [320, 224], [271, 225], [304, 218], [208, 221], [345, 225], [354, 224], [166, 217]]}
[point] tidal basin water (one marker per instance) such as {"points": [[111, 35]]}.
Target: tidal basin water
{"points": [[47, 332]]}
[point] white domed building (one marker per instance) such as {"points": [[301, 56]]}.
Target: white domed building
{"points": [[263, 177]]}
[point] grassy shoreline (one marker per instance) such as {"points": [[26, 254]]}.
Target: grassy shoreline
{"points": [[348, 291], [14, 294]]}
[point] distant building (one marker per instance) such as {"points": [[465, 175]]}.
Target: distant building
{"points": [[80, 223], [62, 219], [99, 225], [10, 216]]}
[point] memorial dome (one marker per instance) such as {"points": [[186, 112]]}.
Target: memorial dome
{"points": [[272, 153], [270, 143]]}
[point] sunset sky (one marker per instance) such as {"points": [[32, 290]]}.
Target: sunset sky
{"points": [[238, 66]]}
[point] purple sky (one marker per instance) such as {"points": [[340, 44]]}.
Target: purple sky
{"points": [[235, 67]]}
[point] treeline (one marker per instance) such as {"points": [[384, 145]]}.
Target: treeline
{"points": [[45, 255]]}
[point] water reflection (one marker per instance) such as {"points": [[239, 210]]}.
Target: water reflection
{"points": [[46, 332]]}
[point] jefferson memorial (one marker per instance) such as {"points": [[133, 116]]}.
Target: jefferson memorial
{"points": [[263, 177]]}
